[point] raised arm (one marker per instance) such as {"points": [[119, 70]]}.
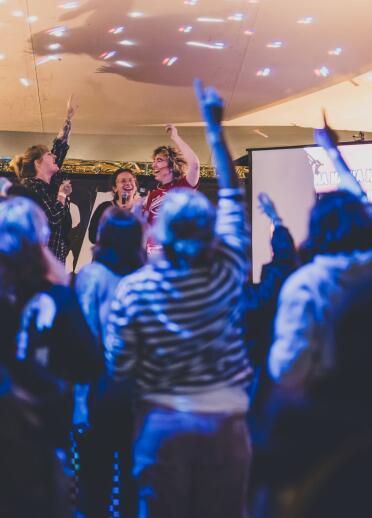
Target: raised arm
{"points": [[211, 107], [193, 164], [60, 144], [327, 138]]}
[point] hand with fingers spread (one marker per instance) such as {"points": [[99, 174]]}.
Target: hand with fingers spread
{"points": [[267, 207]]}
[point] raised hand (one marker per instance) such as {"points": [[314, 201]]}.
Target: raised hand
{"points": [[210, 104], [71, 107], [267, 207], [325, 137], [171, 131]]}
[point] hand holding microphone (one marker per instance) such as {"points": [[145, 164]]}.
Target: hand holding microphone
{"points": [[65, 190]]}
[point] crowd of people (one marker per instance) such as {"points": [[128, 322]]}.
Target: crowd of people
{"points": [[216, 396]]}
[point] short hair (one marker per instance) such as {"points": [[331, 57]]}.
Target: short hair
{"points": [[119, 241], [339, 223], [185, 226], [176, 163], [24, 165]]}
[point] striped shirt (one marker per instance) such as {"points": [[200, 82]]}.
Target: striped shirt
{"points": [[180, 332]]}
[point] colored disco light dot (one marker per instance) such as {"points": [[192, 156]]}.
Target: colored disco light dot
{"points": [[2, 56], [32, 19], [335, 52], [217, 46], [46, 59], [116, 30], [249, 32], [54, 46], [17, 13], [126, 64], [107, 55], [185, 28], [136, 14], [58, 32], [69, 5], [169, 61], [307, 20], [264, 72], [207, 19], [275, 45], [127, 43], [190, 2], [25, 82], [236, 17], [322, 71]]}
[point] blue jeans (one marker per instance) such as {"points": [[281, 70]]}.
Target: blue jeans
{"points": [[191, 465]]}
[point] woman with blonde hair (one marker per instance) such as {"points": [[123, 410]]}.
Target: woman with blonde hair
{"points": [[37, 168]]}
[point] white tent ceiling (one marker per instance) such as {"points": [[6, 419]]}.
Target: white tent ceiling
{"points": [[110, 54]]}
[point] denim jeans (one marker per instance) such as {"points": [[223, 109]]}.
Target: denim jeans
{"points": [[191, 465]]}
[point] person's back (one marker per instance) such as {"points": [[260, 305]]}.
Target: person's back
{"points": [[176, 328]]}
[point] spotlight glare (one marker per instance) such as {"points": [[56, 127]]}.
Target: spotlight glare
{"points": [[124, 64]]}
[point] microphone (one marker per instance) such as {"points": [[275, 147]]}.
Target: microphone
{"points": [[124, 198]]}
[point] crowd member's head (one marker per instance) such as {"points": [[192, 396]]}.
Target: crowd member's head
{"points": [[36, 161], [124, 181], [167, 164], [339, 223], [119, 241], [185, 228], [24, 234]]}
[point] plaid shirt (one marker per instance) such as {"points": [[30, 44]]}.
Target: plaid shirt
{"points": [[58, 215]]}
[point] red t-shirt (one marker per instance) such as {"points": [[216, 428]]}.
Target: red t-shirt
{"points": [[154, 199]]}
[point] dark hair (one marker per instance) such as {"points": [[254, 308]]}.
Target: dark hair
{"points": [[339, 223], [24, 165], [176, 162], [119, 241]]}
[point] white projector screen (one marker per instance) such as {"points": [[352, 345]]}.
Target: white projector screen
{"points": [[291, 177]]}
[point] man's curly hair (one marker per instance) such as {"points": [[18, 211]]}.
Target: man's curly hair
{"points": [[176, 163]]}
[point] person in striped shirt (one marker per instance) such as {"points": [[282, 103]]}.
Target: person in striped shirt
{"points": [[176, 327]]}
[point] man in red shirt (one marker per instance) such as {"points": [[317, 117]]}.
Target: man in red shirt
{"points": [[172, 168]]}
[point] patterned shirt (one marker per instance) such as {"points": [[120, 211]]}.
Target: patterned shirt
{"points": [[59, 217], [180, 332]]}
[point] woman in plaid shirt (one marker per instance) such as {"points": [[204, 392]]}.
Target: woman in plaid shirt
{"points": [[39, 169]]}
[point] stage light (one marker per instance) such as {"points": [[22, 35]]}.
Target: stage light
{"points": [[264, 72], [249, 32], [54, 46], [216, 46], [190, 2], [124, 64], [32, 19], [17, 13], [136, 14]]}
